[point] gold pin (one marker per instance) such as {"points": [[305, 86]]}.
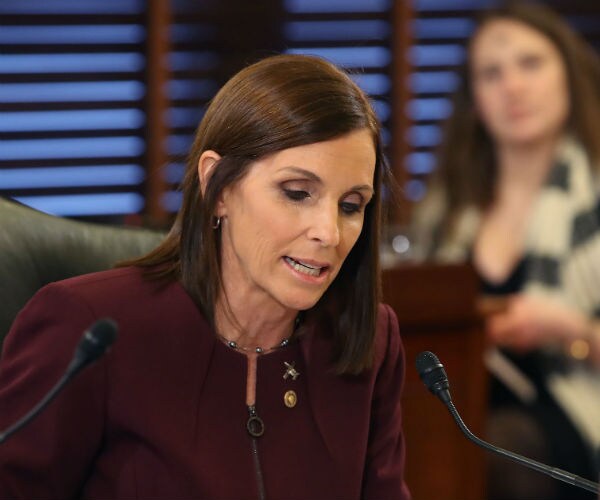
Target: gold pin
{"points": [[290, 399]]}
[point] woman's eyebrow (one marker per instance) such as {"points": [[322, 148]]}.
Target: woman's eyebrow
{"points": [[314, 177], [301, 171]]}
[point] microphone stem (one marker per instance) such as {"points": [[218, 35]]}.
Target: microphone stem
{"points": [[37, 408], [556, 473]]}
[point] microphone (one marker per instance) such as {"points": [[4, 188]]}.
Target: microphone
{"points": [[93, 344], [434, 376]]}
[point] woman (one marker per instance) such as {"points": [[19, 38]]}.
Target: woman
{"points": [[253, 359], [517, 194]]}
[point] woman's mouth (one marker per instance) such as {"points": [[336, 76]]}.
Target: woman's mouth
{"points": [[304, 267]]}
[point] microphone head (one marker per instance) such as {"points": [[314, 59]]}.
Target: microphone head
{"points": [[96, 340], [432, 374]]}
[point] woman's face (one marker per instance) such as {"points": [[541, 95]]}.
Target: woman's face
{"points": [[519, 83], [292, 220]]}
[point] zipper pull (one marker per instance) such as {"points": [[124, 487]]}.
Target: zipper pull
{"points": [[254, 425]]}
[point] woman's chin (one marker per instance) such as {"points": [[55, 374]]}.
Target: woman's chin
{"points": [[528, 136], [300, 303]]}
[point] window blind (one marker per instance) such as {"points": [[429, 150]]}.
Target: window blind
{"points": [[71, 105], [353, 34], [210, 41], [440, 32]]}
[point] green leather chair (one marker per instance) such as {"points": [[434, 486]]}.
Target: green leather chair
{"points": [[37, 249]]}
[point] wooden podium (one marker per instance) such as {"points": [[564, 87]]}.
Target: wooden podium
{"points": [[436, 308]]}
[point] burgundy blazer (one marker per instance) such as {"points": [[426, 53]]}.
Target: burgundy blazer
{"points": [[163, 414]]}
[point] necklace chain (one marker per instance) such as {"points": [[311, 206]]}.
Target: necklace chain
{"points": [[258, 350], [261, 350]]}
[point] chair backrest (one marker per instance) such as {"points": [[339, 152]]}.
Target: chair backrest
{"points": [[37, 249]]}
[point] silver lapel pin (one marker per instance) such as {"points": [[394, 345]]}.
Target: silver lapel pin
{"points": [[290, 371]]}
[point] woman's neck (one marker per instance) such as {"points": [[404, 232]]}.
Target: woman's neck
{"points": [[252, 325], [525, 167]]}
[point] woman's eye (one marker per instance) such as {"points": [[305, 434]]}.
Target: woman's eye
{"points": [[350, 208], [489, 74], [296, 194], [531, 62]]}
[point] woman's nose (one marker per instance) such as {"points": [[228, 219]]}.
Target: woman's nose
{"points": [[512, 80], [324, 227]]}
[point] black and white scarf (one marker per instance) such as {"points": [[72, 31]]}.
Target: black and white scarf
{"points": [[562, 245], [562, 256]]}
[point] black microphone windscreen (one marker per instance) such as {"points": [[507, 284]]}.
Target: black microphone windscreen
{"points": [[97, 339], [426, 360], [432, 372]]}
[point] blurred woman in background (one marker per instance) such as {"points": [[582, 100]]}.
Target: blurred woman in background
{"points": [[517, 194]]}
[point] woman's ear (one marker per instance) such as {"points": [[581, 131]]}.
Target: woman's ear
{"points": [[206, 163]]}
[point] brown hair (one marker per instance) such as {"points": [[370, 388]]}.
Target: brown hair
{"points": [[466, 162], [278, 103]]}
